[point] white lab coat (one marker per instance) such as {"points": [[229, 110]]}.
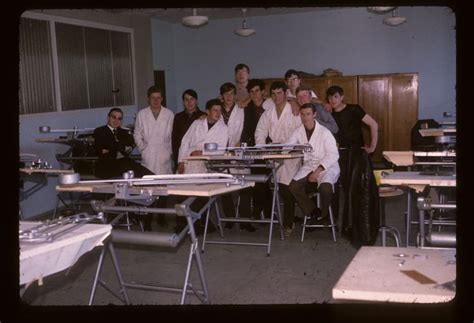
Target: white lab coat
{"points": [[235, 126], [194, 139], [153, 138], [279, 130], [324, 153]]}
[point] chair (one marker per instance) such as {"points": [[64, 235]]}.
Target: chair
{"points": [[332, 225]]}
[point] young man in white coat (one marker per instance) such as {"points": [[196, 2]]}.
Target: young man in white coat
{"points": [[234, 117], [206, 130], [211, 129], [320, 166], [152, 135], [276, 125]]}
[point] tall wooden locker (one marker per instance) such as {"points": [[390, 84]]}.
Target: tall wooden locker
{"points": [[392, 100]]}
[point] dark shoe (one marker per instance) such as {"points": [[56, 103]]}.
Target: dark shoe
{"points": [[248, 227], [229, 225]]}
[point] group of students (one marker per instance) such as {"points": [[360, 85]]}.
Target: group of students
{"points": [[292, 114]]}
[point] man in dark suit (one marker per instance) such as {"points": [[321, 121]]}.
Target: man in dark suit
{"points": [[113, 145]]}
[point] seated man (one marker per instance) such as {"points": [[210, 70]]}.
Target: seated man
{"points": [[320, 166], [112, 145]]}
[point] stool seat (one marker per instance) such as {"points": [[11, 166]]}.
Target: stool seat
{"points": [[389, 191]]}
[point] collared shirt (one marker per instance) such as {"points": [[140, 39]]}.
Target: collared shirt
{"points": [[226, 115]]}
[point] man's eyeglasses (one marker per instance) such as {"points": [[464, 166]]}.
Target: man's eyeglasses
{"points": [[292, 79], [115, 117]]}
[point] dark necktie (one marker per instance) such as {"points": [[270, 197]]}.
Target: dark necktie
{"points": [[114, 131]]}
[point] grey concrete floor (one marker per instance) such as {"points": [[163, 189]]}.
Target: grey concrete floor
{"points": [[294, 273]]}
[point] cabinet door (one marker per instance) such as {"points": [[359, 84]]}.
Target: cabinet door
{"points": [[374, 98], [403, 112], [392, 100]]}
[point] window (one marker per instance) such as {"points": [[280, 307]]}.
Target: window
{"points": [[65, 66]]}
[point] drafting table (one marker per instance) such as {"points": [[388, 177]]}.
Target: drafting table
{"points": [[38, 260], [143, 193], [245, 160], [418, 182], [398, 275]]}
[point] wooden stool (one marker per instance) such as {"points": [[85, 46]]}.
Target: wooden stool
{"points": [[332, 225], [386, 192]]}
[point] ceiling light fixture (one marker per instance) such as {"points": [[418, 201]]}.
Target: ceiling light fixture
{"points": [[394, 20], [380, 10], [244, 31], [194, 21]]}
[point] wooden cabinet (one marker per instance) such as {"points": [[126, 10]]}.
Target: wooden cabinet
{"points": [[391, 99]]}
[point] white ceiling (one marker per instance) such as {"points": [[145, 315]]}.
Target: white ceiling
{"points": [[174, 15]]}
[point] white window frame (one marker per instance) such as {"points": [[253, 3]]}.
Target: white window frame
{"points": [[83, 23]]}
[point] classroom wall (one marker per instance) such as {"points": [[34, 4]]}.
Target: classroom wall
{"points": [[351, 40], [45, 199]]}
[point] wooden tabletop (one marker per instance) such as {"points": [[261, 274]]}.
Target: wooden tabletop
{"points": [[205, 190], [417, 181], [400, 275]]}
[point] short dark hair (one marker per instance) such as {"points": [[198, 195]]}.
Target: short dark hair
{"points": [[115, 110], [226, 87], [278, 85], [303, 88], [333, 90], [213, 102], [241, 66], [308, 105], [190, 92], [255, 82], [291, 72], [154, 89]]}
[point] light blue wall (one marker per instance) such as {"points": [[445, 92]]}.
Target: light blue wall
{"points": [[351, 40]]}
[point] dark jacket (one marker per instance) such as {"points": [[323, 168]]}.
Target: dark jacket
{"points": [[104, 139], [361, 211], [108, 165]]}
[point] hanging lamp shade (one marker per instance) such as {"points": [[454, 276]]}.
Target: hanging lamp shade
{"points": [[195, 21], [394, 20], [244, 31]]}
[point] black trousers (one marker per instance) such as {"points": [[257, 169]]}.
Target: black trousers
{"points": [[289, 205]]}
